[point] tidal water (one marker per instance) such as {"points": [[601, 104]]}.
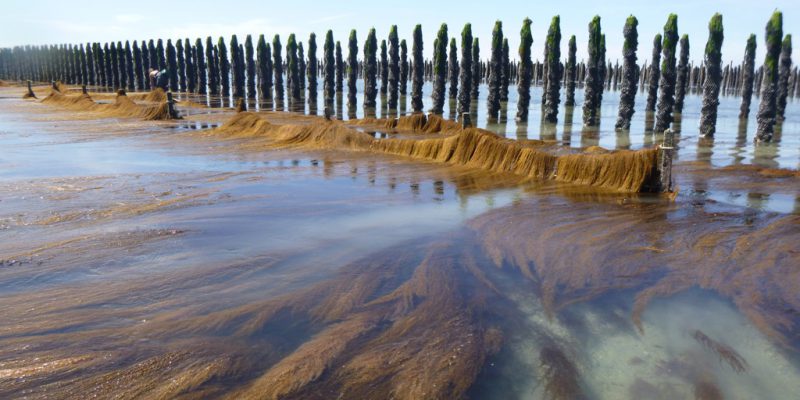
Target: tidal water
{"points": [[145, 260]]}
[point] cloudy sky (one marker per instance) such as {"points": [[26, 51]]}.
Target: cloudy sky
{"points": [[80, 21]]}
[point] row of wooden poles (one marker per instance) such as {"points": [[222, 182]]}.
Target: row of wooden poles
{"points": [[251, 70]]}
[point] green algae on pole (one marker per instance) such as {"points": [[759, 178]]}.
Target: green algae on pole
{"points": [[630, 74], [594, 80], [264, 60], [329, 58], [505, 66], [394, 67], [767, 111], [553, 87], [571, 72], [313, 67], [370, 70], [352, 70], [784, 73], [495, 70], [666, 100], [293, 71], [748, 73], [250, 66], [464, 98], [439, 70], [476, 68], [654, 75], [200, 65], [418, 69], [525, 71], [682, 82], [224, 67], [711, 86], [277, 67], [452, 68]]}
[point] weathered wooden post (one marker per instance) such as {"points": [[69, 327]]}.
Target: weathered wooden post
{"points": [[665, 154], [466, 122]]}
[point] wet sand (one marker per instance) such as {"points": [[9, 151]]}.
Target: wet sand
{"points": [[158, 260]]}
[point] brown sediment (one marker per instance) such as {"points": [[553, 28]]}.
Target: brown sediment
{"points": [[625, 170], [725, 353], [707, 390], [560, 375], [122, 107]]}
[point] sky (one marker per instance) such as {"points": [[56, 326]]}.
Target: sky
{"points": [[81, 21]]}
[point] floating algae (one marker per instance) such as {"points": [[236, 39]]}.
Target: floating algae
{"points": [[630, 171]]}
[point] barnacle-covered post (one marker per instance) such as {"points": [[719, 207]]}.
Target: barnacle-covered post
{"points": [[654, 75], [264, 60], [329, 83], [525, 71], [453, 69], [339, 69], [394, 66], [250, 65], [418, 70], [748, 72], [571, 72], [769, 83], [181, 65], [682, 82], [277, 67], [199, 54], [224, 67], [172, 66], [293, 71], [630, 74], [711, 86], [666, 99], [553, 88], [495, 70], [403, 84], [384, 67], [784, 73], [505, 66], [439, 70], [476, 68], [370, 70], [352, 71], [594, 79], [313, 67]]}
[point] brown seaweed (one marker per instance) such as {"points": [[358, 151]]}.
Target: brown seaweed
{"points": [[725, 353], [560, 375]]}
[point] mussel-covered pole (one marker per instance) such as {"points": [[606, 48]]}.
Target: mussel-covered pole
{"points": [[769, 83], [224, 67], [264, 59], [277, 67], [748, 72], [572, 72], [172, 66], [329, 83], [711, 86], [237, 69], [505, 66], [129, 67], [464, 98], [682, 82], [370, 70], [384, 68], [476, 68], [352, 70], [784, 73], [181, 65], [191, 66], [403, 68], [495, 70], [654, 75], [313, 67], [211, 68], [200, 66], [669, 75], [630, 74], [594, 79], [553, 62], [394, 66], [339, 69], [293, 70], [250, 65], [301, 67], [525, 71], [453, 69], [137, 66], [417, 70], [439, 70]]}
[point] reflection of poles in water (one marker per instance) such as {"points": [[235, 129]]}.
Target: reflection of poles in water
{"points": [[757, 201], [503, 120], [623, 139], [590, 136], [741, 142], [339, 105], [796, 205], [649, 121], [522, 130], [452, 105], [705, 148], [547, 131], [567, 135]]}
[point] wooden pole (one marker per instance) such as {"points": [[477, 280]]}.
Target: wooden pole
{"points": [[665, 154]]}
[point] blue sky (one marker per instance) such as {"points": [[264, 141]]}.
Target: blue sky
{"points": [[79, 21]]}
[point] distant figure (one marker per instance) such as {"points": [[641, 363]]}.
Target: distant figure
{"points": [[158, 79]]}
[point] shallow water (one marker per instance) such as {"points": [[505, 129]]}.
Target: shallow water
{"points": [[143, 260]]}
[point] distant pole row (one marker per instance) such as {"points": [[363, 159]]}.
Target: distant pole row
{"points": [[258, 70]]}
